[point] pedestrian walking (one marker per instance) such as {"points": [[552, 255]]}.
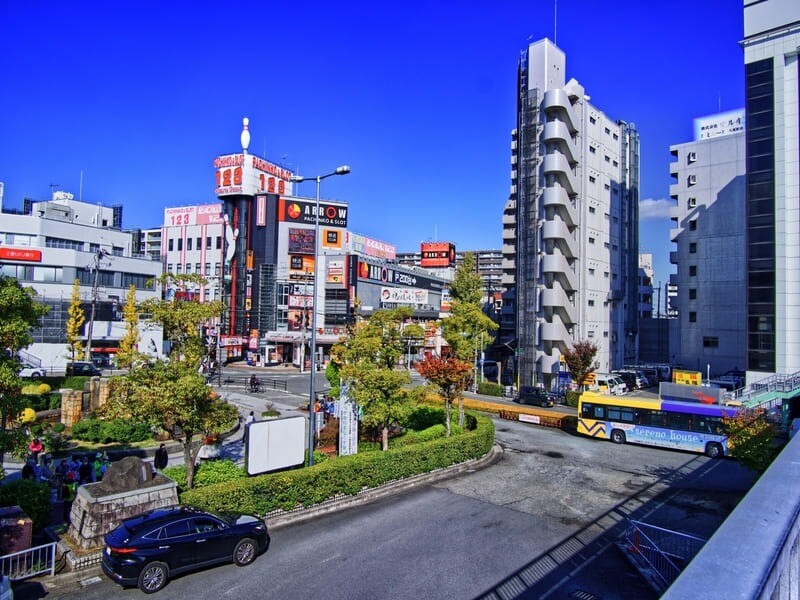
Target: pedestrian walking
{"points": [[250, 418], [161, 458]]}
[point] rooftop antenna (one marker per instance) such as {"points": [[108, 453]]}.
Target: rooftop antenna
{"points": [[80, 187], [53, 187], [719, 101], [555, 22]]}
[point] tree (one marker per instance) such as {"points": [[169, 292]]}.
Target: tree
{"points": [[75, 321], [367, 359], [450, 375], [468, 330], [580, 360], [129, 344], [751, 439], [19, 312], [171, 396]]}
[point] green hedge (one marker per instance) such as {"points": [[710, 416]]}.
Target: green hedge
{"points": [[115, 430], [572, 398], [488, 388], [344, 475], [209, 472]]}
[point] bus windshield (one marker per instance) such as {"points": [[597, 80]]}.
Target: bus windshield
{"points": [[688, 426]]}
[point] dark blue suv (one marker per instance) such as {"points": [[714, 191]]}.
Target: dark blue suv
{"points": [[149, 549]]}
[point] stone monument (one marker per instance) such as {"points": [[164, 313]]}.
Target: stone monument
{"points": [[128, 488]]}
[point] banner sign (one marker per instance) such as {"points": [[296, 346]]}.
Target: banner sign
{"points": [[404, 296]]}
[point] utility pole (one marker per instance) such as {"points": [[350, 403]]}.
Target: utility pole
{"points": [[99, 255]]}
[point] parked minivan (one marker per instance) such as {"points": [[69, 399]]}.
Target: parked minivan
{"points": [[608, 383]]}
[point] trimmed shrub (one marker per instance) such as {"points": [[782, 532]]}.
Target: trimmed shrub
{"points": [[423, 417], [572, 398], [115, 430], [416, 437], [32, 497], [28, 415], [488, 388], [43, 389], [343, 475], [210, 472]]}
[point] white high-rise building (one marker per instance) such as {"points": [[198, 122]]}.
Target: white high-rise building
{"points": [[771, 46], [575, 175], [708, 232]]}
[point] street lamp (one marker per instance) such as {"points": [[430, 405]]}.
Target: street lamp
{"points": [[343, 170]]}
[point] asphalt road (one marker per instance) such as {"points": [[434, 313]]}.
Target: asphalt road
{"points": [[540, 523]]}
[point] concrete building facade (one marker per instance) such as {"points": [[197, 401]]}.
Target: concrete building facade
{"points": [[772, 70], [575, 193], [708, 232]]}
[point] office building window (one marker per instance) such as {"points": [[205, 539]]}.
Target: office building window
{"points": [[197, 268], [188, 243], [608, 131], [692, 317], [180, 244], [188, 268], [692, 293], [178, 269], [692, 202], [208, 269], [199, 243], [591, 240], [692, 270], [169, 244], [693, 248], [592, 209], [710, 342], [216, 269], [693, 225], [592, 179], [208, 242], [591, 302], [592, 120], [592, 149], [591, 271]]}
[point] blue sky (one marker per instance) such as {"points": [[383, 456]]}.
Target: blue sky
{"points": [[417, 97]]}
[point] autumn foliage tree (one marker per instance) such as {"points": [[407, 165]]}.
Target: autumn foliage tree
{"points": [[75, 320], [751, 439], [450, 376], [129, 344], [580, 360]]}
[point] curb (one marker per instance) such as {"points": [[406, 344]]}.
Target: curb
{"points": [[70, 578]]}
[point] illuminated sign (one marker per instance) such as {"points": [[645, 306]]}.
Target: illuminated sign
{"points": [[22, 254], [295, 210], [437, 254], [719, 125], [248, 175], [365, 246], [205, 214], [404, 296], [385, 274]]}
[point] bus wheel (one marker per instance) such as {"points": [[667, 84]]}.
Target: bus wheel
{"points": [[617, 436], [713, 450]]}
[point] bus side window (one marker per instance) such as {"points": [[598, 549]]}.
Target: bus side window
{"points": [[586, 410]]}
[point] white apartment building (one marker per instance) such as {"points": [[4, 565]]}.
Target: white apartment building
{"points": [[50, 244], [771, 46], [575, 189], [709, 235], [646, 286]]}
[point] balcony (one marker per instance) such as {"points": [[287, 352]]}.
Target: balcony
{"points": [[562, 271], [557, 198], [558, 100], [557, 231], [673, 258], [556, 300], [558, 165], [558, 132], [554, 333]]}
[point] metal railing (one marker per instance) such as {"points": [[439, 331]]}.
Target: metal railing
{"points": [[663, 552], [768, 391], [29, 563]]}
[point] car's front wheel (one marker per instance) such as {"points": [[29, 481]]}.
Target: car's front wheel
{"points": [[245, 552], [153, 577]]}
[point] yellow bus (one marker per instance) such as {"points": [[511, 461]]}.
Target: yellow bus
{"points": [[688, 426]]}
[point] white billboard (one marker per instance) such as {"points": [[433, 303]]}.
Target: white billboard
{"points": [[718, 125], [248, 175], [274, 444], [404, 296]]}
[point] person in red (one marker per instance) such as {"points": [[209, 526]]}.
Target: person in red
{"points": [[35, 448]]}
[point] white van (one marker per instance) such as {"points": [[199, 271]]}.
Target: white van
{"points": [[608, 383]]}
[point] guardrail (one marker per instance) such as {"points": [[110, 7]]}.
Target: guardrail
{"points": [[663, 553], [29, 563]]}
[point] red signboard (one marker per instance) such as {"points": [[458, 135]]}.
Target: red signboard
{"points": [[437, 254], [21, 254]]}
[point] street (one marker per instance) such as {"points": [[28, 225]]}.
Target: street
{"points": [[543, 519]]}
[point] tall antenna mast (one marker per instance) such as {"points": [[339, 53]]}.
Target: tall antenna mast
{"points": [[80, 187], [555, 22]]}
